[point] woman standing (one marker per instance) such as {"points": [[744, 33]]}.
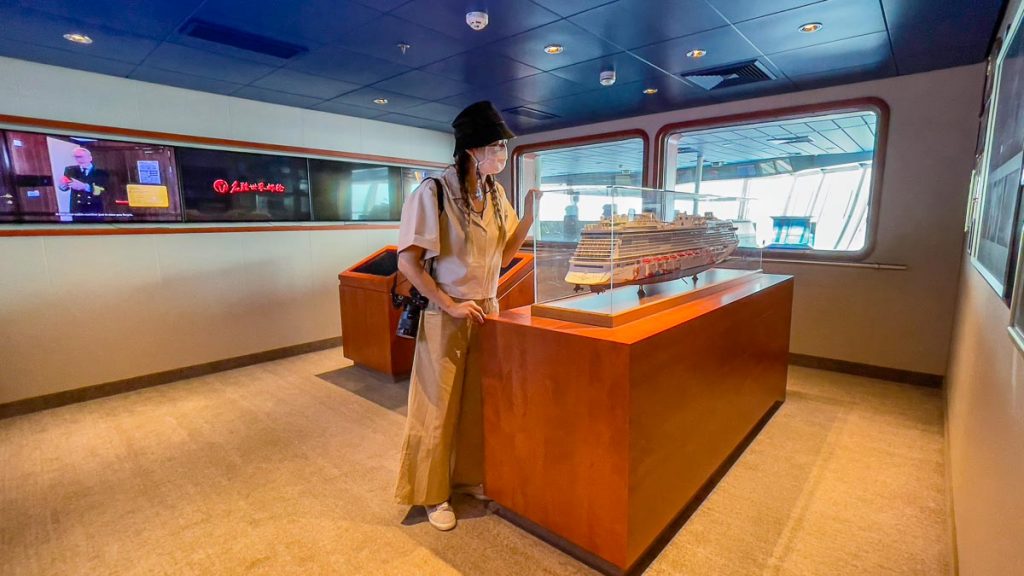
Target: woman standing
{"points": [[470, 238]]}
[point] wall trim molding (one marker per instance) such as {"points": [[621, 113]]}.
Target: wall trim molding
{"points": [[64, 398], [119, 230], [868, 370]]}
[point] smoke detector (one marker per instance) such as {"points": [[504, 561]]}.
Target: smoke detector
{"points": [[476, 20], [607, 77]]}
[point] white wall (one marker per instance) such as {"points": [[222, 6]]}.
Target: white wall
{"points": [[82, 310], [895, 319], [51, 92], [985, 427]]}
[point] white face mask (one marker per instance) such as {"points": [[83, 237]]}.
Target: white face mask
{"points": [[490, 159]]}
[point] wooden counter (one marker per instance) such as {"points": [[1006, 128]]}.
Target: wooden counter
{"points": [[602, 436], [369, 319]]}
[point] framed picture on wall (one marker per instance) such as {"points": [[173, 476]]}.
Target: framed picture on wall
{"points": [[997, 237]]}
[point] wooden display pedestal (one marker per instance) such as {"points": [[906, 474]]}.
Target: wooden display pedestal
{"points": [[601, 437], [369, 319]]}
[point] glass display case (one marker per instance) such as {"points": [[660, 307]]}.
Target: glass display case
{"points": [[607, 255]]}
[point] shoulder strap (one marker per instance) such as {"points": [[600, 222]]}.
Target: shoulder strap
{"points": [[439, 188]]}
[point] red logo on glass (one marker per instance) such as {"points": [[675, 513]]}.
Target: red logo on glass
{"points": [[236, 187]]}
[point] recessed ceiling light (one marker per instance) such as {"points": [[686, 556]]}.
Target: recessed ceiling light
{"points": [[554, 48], [77, 38], [810, 27], [696, 53], [381, 101], [650, 91]]}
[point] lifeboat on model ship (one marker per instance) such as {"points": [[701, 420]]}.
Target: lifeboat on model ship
{"points": [[620, 251]]}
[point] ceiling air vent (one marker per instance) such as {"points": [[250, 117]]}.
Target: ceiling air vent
{"points": [[241, 39], [730, 75], [530, 113]]}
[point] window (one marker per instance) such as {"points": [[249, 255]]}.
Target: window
{"points": [[617, 161], [798, 184], [361, 192], [68, 179]]}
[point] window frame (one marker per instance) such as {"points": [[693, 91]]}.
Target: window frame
{"points": [[573, 142], [869, 104], [66, 128]]}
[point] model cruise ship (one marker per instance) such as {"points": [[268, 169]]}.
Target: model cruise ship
{"points": [[643, 250]]}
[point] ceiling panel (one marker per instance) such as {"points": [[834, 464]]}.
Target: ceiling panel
{"points": [[366, 96], [384, 5], [337, 107], [435, 111], [275, 97], [380, 38], [345, 65], [670, 19], [839, 18], [199, 63], [481, 67], [177, 79], [579, 46], [570, 7], [541, 87], [952, 29], [740, 10], [424, 85], [500, 99], [19, 24], [723, 46], [505, 18], [157, 20], [309, 22], [780, 85], [229, 51], [77, 60], [292, 82], [608, 102], [870, 52], [352, 46], [408, 120], [627, 67]]}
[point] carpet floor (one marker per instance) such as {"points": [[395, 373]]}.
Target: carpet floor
{"points": [[288, 467]]}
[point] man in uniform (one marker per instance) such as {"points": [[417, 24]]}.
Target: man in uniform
{"points": [[87, 185]]}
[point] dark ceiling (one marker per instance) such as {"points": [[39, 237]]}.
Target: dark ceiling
{"points": [[347, 52]]}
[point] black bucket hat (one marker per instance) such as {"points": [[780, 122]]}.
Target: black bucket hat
{"points": [[478, 125]]}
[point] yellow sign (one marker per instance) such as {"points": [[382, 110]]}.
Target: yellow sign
{"points": [[145, 196]]}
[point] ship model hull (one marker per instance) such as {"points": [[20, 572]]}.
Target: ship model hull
{"points": [[622, 253]]}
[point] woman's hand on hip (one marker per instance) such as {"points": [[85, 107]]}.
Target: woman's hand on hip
{"points": [[467, 309]]}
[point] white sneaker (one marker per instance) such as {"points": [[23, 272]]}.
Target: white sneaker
{"points": [[441, 516]]}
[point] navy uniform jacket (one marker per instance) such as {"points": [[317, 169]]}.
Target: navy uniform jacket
{"points": [[87, 201]]}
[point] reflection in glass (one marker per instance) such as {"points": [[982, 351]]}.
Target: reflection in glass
{"points": [[811, 172], [351, 191], [222, 186]]}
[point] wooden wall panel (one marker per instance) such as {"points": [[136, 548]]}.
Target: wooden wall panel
{"points": [[602, 436], [698, 390], [556, 416]]}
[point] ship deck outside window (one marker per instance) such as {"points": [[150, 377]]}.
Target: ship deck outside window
{"points": [[803, 184]]}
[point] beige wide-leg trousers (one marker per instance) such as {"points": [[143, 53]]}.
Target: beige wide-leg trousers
{"points": [[443, 443]]}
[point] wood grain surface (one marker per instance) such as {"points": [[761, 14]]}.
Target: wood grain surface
{"points": [[604, 435]]}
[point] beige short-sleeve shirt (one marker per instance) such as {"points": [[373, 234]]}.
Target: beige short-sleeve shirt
{"points": [[467, 245]]}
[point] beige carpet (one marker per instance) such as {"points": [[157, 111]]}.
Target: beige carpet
{"points": [[288, 468]]}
